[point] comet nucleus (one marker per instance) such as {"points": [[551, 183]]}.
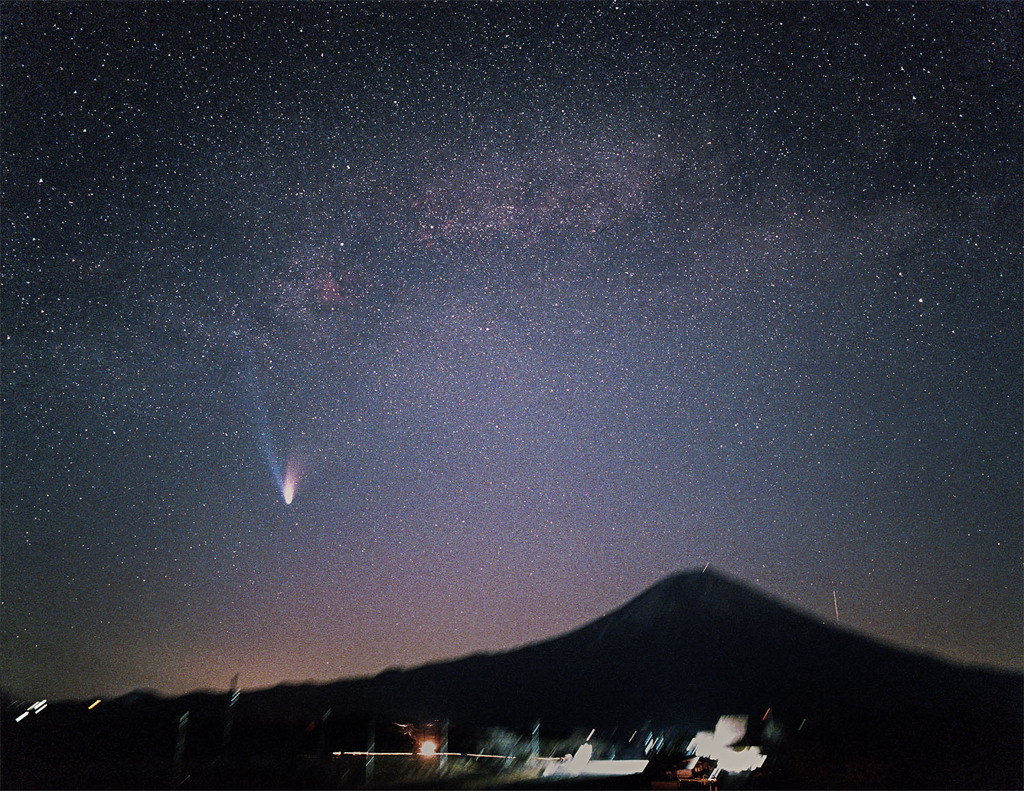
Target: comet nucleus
{"points": [[292, 476]]}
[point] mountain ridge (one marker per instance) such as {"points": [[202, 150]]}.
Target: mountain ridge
{"points": [[688, 648], [692, 647]]}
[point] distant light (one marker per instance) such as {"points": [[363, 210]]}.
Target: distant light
{"points": [[21, 716], [428, 749], [93, 705], [40, 708]]}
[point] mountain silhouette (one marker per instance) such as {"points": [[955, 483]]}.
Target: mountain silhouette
{"points": [[830, 707], [693, 646], [698, 645]]}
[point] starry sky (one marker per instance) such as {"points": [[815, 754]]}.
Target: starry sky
{"points": [[339, 337]]}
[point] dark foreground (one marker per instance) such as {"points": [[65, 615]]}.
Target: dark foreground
{"points": [[134, 745]]}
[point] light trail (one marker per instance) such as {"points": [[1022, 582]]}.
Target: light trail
{"points": [[414, 754], [407, 753], [36, 707]]}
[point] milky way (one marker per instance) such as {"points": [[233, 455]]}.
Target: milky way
{"points": [[339, 337]]}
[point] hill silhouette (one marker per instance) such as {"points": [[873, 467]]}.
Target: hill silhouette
{"points": [[692, 646], [836, 708]]}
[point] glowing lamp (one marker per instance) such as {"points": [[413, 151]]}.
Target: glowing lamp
{"points": [[428, 749]]}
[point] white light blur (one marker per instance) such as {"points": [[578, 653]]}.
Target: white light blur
{"points": [[428, 749], [719, 746]]}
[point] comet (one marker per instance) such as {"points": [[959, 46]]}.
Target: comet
{"points": [[292, 477], [289, 478]]}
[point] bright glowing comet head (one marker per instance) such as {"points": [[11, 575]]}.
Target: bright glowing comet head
{"points": [[292, 477]]}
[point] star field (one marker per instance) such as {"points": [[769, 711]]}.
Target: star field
{"points": [[523, 307]]}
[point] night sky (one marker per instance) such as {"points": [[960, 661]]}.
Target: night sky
{"points": [[344, 337]]}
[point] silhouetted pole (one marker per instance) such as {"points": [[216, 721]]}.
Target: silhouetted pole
{"points": [[178, 769]]}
